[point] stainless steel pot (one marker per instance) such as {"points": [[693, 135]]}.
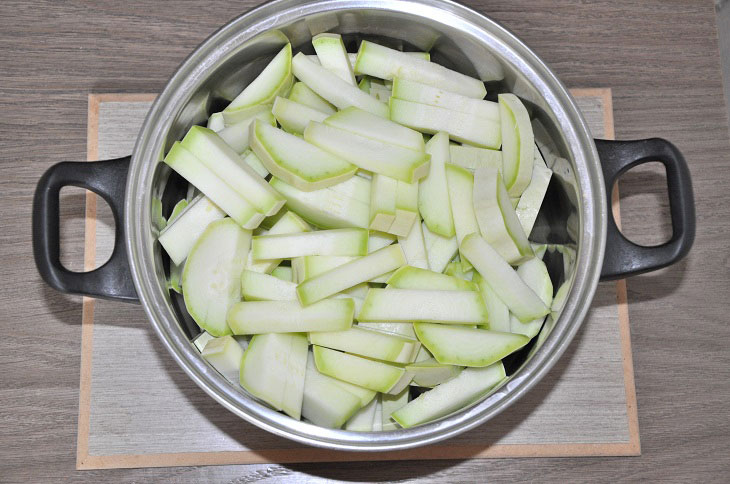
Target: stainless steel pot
{"points": [[575, 212]]}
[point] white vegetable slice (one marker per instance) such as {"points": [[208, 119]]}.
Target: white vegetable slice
{"points": [[433, 192], [425, 94], [352, 57], [295, 117], [332, 55], [220, 158], [559, 300], [301, 94], [256, 286], [499, 317], [368, 343], [535, 274], [314, 265], [461, 195], [178, 237], [391, 403], [289, 223], [255, 317], [297, 162], [518, 144], [429, 373], [414, 247], [371, 155], [502, 279], [268, 84], [531, 200], [350, 274], [250, 158], [455, 307], [467, 128], [497, 219], [440, 249], [383, 194], [284, 273], [406, 208], [403, 329], [362, 421], [326, 403], [274, 370], [202, 339], [379, 61], [374, 375], [471, 157], [237, 135], [382, 94], [330, 87], [322, 242], [225, 355], [461, 346], [409, 277], [378, 240], [229, 200], [338, 206], [366, 124], [211, 279], [470, 385], [232, 118], [216, 122]]}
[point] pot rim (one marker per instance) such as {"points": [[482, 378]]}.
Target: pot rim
{"points": [[140, 244]]}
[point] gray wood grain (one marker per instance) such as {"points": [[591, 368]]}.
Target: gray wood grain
{"points": [[660, 58]]}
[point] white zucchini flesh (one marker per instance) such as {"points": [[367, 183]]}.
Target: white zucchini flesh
{"points": [[326, 403], [322, 242], [219, 192], [333, 89], [216, 122], [256, 317], [518, 144], [211, 278], [414, 247], [274, 370], [369, 343], [461, 196], [539, 250], [296, 161], [531, 199], [497, 219], [471, 157], [378, 240], [332, 55], [385, 63], [382, 94], [370, 374], [295, 117], [289, 223], [268, 84], [366, 124], [440, 249], [352, 57], [499, 317], [202, 339], [455, 307], [225, 355], [390, 404], [338, 206], [406, 208], [237, 135], [502, 279], [362, 421], [378, 418], [232, 118], [284, 273], [409, 277], [301, 94], [364, 394], [256, 286], [220, 158], [461, 346], [535, 274], [250, 158], [402, 329], [423, 353], [383, 194], [559, 300], [350, 274], [179, 236], [470, 385], [466, 128], [429, 373], [433, 193], [314, 265], [371, 155], [425, 94]]}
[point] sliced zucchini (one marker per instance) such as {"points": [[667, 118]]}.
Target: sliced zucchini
{"points": [[256, 286], [289, 223], [403, 329], [531, 199], [255, 317], [369, 343], [366, 124], [471, 157], [295, 117], [284, 273], [424, 94], [461, 195], [440, 249], [362, 421], [313, 265], [466, 128], [518, 144], [301, 94], [385, 63], [535, 274], [378, 240], [383, 194], [179, 236], [332, 55], [237, 135], [202, 339], [322, 242], [225, 355], [326, 403], [390, 404], [499, 317], [373, 375], [429, 373], [268, 84], [250, 158], [414, 247], [211, 279], [455, 307], [216, 122], [406, 209], [409, 277], [433, 193]]}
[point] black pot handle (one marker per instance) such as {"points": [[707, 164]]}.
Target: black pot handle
{"points": [[107, 179], [624, 258]]}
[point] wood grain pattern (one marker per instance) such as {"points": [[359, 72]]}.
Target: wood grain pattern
{"points": [[660, 58]]}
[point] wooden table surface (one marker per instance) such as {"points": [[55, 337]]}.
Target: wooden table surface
{"points": [[661, 59]]}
